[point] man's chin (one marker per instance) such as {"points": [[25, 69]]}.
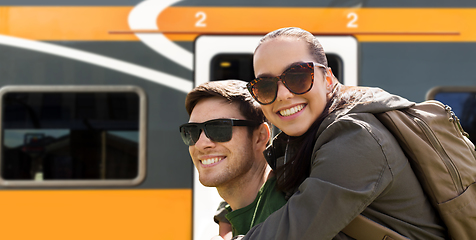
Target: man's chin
{"points": [[208, 183]]}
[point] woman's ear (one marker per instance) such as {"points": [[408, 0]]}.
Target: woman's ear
{"points": [[329, 79]]}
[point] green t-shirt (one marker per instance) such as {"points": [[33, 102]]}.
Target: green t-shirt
{"points": [[268, 200]]}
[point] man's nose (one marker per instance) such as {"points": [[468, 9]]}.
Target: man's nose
{"points": [[203, 141]]}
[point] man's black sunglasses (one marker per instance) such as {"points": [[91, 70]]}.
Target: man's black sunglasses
{"points": [[217, 130]]}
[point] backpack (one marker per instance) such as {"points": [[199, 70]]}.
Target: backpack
{"points": [[444, 161]]}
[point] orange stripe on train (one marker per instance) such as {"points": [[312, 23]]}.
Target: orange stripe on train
{"points": [[96, 214]]}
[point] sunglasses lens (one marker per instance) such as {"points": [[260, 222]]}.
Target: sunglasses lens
{"points": [[299, 80], [190, 134], [219, 131], [265, 90]]}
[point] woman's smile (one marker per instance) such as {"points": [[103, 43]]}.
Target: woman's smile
{"points": [[291, 111]]}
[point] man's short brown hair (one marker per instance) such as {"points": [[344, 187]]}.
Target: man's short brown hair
{"points": [[232, 91]]}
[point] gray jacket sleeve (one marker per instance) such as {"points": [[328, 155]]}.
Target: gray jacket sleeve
{"points": [[349, 170]]}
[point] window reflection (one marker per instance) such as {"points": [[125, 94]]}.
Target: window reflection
{"points": [[76, 136]]}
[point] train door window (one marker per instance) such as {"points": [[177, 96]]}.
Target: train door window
{"points": [[72, 136], [462, 101], [230, 57], [240, 66], [232, 66]]}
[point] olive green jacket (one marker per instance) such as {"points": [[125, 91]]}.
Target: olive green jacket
{"points": [[357, 167]]}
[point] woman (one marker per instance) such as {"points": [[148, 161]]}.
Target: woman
{"points": [[333, 158]]}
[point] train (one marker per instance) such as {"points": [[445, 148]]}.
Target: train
{"points": [[92, 96]]}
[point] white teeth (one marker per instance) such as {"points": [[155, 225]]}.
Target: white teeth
{"points": [[291, 111], [210, 161]]}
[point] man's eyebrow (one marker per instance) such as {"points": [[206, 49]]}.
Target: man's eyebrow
{"points": [[286, 68]]}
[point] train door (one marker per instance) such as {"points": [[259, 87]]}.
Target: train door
{"points": [[231, 57]]}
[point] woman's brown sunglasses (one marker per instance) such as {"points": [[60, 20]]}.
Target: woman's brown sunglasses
{"points": [[298, 79]]}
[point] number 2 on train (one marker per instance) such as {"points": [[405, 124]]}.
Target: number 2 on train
{"points": [[353, 20], [201, 19]]}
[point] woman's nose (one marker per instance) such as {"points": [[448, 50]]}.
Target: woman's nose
{"points": [[283, 92]]}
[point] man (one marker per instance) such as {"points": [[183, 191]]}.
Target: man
{"points": [[227, 134]]}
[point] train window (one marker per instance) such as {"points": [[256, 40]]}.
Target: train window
{"points": [[336, 64], [232, 66], [240, 66], [462, 100], [72, 136]]}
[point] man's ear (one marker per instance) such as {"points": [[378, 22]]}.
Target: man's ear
{"points": [[264, 134]]}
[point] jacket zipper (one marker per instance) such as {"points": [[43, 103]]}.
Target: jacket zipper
{"points": [[441, 152]]}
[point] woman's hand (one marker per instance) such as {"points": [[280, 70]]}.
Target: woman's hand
{"points": [[224, 230]]}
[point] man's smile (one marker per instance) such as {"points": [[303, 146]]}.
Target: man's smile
{"points": [[210, 161]]}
